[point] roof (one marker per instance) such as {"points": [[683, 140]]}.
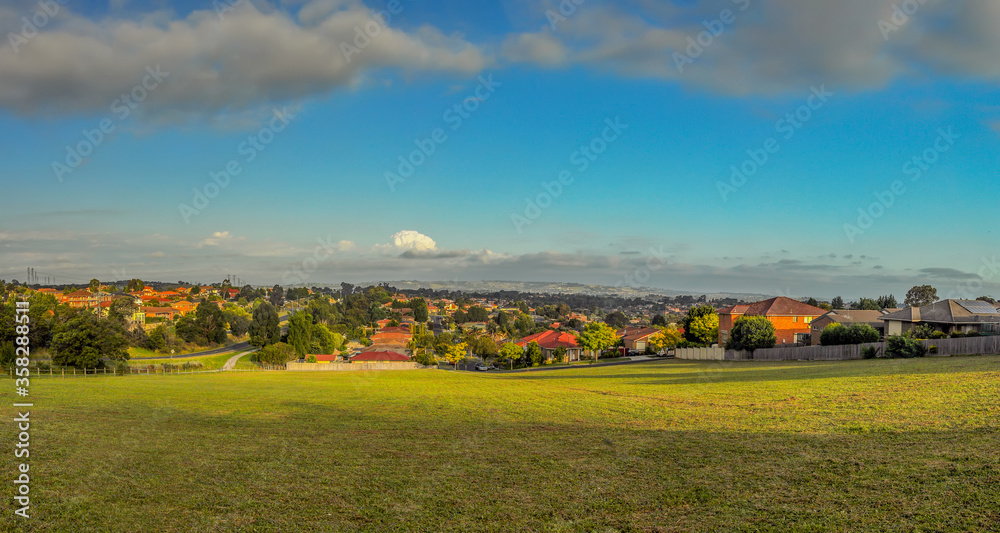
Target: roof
{"points": [[380, 356], [80, 294], [635, 334], [782, 306], [947, 312], [855, 316], [551, 340], [395, 329], [148, 310], [734, 310], [326, 357]]}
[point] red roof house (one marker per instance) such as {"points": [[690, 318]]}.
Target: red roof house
{"points": [[552, 340], [791, 318]]}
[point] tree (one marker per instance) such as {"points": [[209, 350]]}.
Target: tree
{"points": [[659, 321], [559, 354], [457, 353], [300, 333], [838, 334], [920, 296], [136, 285], [701, 325], [196, 290], [485, 347], [419, 308], [478, 314], [667, 338], [534, 354], [239, 323], [277, 296], [325, 341], [122, 309], [887, 302], [813, 302], [597, 337], [837, 303], [904, 347], [84, 340], [210, 323], [275, 354], [616, 319], [511, 352], [264, 329], [752, 333], [95, 285], [866, 304], [987, 299]]}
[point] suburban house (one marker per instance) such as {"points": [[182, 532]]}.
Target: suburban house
{"points": [[184, 307], [949, 316], [380, 357], [85, 299], [792, 319], [389, 335], [637, 338], [551, 340], [328, 358], [160, 312], [849, 317]]}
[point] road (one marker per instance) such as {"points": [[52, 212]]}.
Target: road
{"points": [[231, 363], [238, 347]]}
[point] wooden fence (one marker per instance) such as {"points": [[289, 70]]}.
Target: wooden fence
{"points": [[939, 347]]}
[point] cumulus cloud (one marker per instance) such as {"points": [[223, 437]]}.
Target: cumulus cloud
{"points": [[412, 241], [244, 59]]}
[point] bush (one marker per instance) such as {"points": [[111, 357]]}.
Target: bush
{"points": [[191, 365], [752, 333], [957, 334], [275, 354], [921, 331], [973, 334], [870, 352], [425, 359], [838, 334], [904, 347], [311, 359], [939, 335], [932, 349]]}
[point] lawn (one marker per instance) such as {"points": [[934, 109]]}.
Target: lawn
{"points": [[905, 445], [210, 362]]}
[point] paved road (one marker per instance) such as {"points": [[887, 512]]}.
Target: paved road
{"points": [[238, 347]]}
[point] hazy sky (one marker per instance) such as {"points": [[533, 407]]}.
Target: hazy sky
{"points": [[505, 140]]}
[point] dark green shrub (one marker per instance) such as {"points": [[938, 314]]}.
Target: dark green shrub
{"points": [[932, 349], [838, 334], [973, 334], [957, 334], [939, 335], [870, 352], [898, 347], [425, 359]]}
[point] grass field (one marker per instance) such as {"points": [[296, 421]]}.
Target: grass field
{"points": [[903, 445], [210, 362]]}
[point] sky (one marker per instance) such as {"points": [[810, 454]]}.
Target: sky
{"points": [[795, 148]]}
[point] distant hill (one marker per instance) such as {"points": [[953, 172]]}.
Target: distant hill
{"points": [[539, 287]]}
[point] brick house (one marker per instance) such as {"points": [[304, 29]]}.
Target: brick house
{"points": [[551, 340], [637, 338], [792, 319]]}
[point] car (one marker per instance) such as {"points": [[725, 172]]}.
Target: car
{"points": [[482, 368], [491, 367]]}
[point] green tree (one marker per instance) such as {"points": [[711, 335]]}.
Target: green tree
{"points": [[813, 302], [920, 296], [511, 352], [264, 329], [136, 285], [277, 296], [659, 321], [300, 330], [419, 308], [559, 354], [904, 347], [95, 285], [616, 319], [85, 340], [210, 323], [275, 354], [325, 341], [866, 304], [837, 303], [597, 337], [534, 354], [478, 314], [752, 333], [701, 325], [122, 309], [887, 302]]}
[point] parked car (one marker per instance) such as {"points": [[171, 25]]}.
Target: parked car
{"points": [[491, 367], [482, 368]]}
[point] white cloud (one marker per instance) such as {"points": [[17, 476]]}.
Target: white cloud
{"points": [[216, 239], [412, 240]]}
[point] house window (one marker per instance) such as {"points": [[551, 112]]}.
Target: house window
{"points": [[795, 319]]}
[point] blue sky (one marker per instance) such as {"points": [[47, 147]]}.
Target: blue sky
{"points": [[658, 197]]}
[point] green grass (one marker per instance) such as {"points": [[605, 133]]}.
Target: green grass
{"points": [[210, 362], [904, 445]]}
